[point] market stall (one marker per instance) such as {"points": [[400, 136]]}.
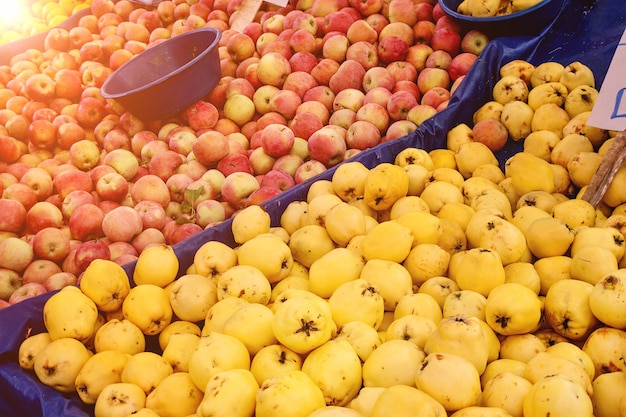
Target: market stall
{"points": [[586, 31]]}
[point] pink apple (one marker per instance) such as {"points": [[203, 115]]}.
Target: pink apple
{"points": [[52, 243], [139, 139], [27, 291], [43, 214], [367, 7], [201, 115], [277, 140], [112, 186], [164, 163], [474, 41], [324, 70], [408, 86], [423, 31], [304, 124], [461, 64], [180, 139], [303, 61], [40, 181], [288, 163], [177, 184], [122, 223], [328, 145], [424, 11], [399, 105], [199, 190], [279, 179], [321, 94], [308, 170], [15, 253], [402, 71], [378, 77], [183, 231], [349, 98], [432, 77], [420, 113], [60, 280], [209, 212], [349, 75], [362, 135], [237, 187], [70, 180], [39, 270], [343, 118], [234, 162], [193, 168], [21, 193], [439, 59], [148, 237], [9, 282], [210, 147], [115, 139], [398, 129], [152, 214], [335, 47], [447, 40], [264, 193], [299, 82], [74, 200], [378, 21], [435, 96], [150, 149], [378, 95], [375, 114], [402, 11], [285, 102], [365, 53], [418, 54], [85, 222], [121, 248], [392, 48], [445, 21], [490, 132], [150, 188]]}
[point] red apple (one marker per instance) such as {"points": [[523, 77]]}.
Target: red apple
{"points": [[39, 270], [150, 188], [164, 163], [85, 222], [52, 243], [89, 251], [59, 280], [112, 186], [327, 145], [234, 162], [43, 214], [152, 214], [490, 132], [27, 291], [308, 170], [461, 64], [210, 147], [122, 224], [399, 104], [447, 40], [237, 187], [74, 200], [362, 135], [13, 215]]}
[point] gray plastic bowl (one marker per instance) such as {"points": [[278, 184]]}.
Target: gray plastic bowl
{"points": [[168, 77], [529, 22]]}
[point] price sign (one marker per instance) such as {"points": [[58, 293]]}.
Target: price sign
{"points": [[609, 110]]}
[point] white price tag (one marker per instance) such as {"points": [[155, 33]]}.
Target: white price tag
{"points": [[609, 110]]}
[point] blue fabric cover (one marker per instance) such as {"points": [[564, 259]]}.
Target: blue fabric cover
{"points": [[586, 31]]}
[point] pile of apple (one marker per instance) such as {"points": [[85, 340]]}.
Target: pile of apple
{"points": [[416, 287], [303, 88], [26, 18]]}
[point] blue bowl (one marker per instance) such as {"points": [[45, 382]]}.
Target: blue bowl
{"points": [[168, 77], [528, 22]]}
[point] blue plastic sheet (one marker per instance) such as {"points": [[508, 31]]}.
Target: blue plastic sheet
{"points": [[586, 31]]}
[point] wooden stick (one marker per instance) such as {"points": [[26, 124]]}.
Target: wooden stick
{"points": [[613, 160]]}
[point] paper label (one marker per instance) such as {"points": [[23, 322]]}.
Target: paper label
{"points": [[609, 110]]}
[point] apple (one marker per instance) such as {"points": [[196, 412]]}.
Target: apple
{"points": [[209, 212], [288, 163], [435, 96], [16, 253], [285, 102], [349, 98], [308, 170], [13, 215], [399, 104], [433, 77], [392, 48], [439, 59], [299, 82], [343, 118], [402, 11], [362, 134], [122, 223], [367, 7], [377, 21], [402, 71], [448, 40], [278, 179], [304, 123], [112, 186], [303, 61], [150, 188], [490, 132], [148, 237], [75, 199], [177, 184], [321, 94], [398, 129], [90, 111], [181, 140], [408, 86], [378, 95], [375, 114], [324, 70], [424, 11], [40, 181], [378, 77], [328, 145], [85, 222], [420, 113], [183, 231], [234, 162], [9, 282], [260, 161], [474, 41], [277, 140], [52, 243], [42, 134], [461, 64], [237, 187], [27, 291], [59, 280], [43, 214], [273, 68], [123, 161], [194, 168], [164, 163], [335, 47], [417, 55], [39, 270], [40, 87]]}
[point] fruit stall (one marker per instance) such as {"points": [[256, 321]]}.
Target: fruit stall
{"points": [[323, 230]]}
